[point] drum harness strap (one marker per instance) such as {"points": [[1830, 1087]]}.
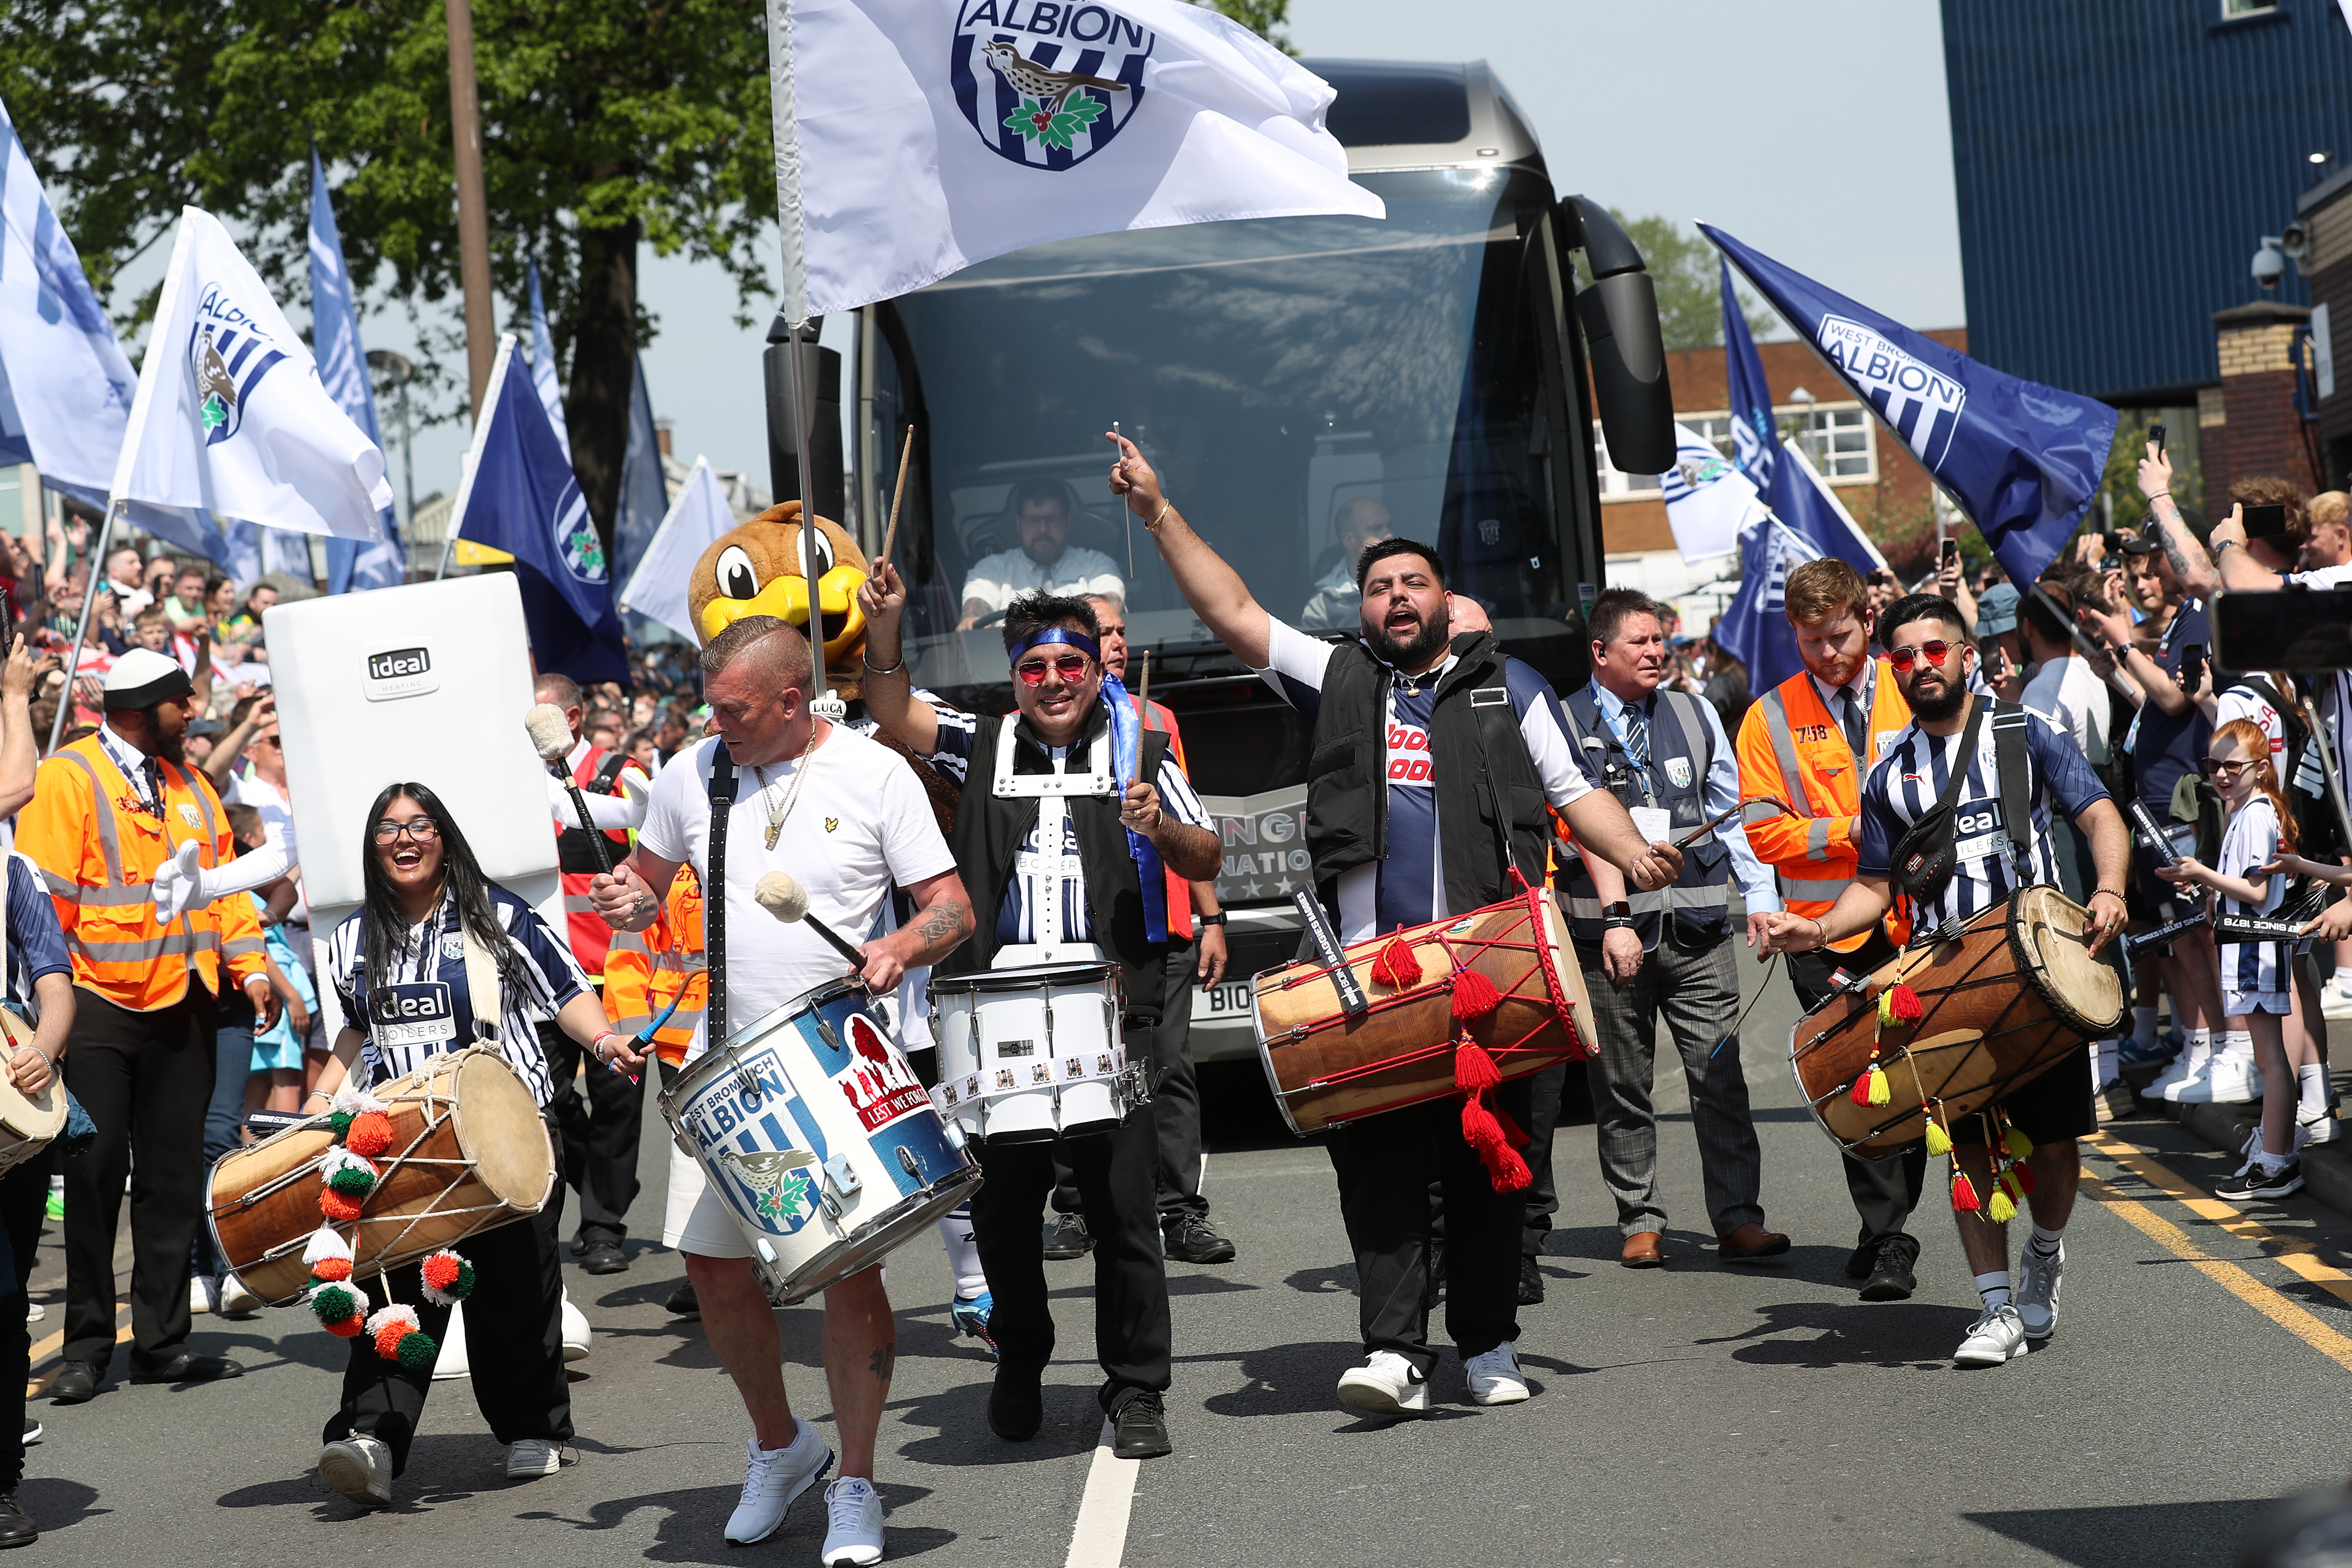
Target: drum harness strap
{"points": [[714, 905]]}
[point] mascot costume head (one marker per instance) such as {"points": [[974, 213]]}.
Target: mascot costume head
{"points": [[756, 571]]}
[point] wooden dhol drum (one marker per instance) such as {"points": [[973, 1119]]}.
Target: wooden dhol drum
{"points": [[1327, 1068], [469, 1152], [2005, 1003], [28, 1123]]}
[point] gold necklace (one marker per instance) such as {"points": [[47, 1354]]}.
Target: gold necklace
{"points": [[778, 813]]}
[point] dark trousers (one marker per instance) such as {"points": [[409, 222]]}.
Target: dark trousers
{"points": [[1386, 1166], [146, 1079], [514, 1342], [23, 1192], [1176, 1093], [1885, 1192], [600, 1138], [232, 1070], [1113, 1173], [1696, 991], [1547, 1090]]}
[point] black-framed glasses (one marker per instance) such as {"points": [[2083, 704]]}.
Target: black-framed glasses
{"points": [[1935, 649], [2215, 767], [420, 830]]}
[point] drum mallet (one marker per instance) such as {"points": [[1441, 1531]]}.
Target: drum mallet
{"points": [[781, 894], [550, 737]]}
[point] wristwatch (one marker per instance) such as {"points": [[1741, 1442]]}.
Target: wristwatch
{"points": [[1617, 915], [1207, 919]]}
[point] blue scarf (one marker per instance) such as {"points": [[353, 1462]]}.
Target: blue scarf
{"points": [[1126, 760]]}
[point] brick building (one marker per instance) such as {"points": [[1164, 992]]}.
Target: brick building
{"points": [[2249, 423], [1874, 473], [2325, 212]]}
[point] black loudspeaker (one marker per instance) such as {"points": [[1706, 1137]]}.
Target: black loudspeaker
{"points": [[821, 377]]}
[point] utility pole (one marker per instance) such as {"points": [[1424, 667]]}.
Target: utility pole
{"points": [[473, 202]]}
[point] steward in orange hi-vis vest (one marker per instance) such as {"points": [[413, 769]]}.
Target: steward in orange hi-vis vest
{"points": [[643, 971]]}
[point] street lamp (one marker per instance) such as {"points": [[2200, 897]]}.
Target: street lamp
{"points": [[396, 372], [1800, 423]]}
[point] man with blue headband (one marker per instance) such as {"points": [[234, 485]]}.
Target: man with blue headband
{"points": [[1120, 841], [1433, 757]]}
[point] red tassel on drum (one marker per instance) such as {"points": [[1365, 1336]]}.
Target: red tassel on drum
{"points": [[1906, 1006], [1964, 1194], [2024, 1175], [1475, 1071], [1474, 995], [1504, 1170], [1396, 966]]}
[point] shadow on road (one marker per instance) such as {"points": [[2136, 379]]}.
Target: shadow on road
{"points": [[1893, 1334], [2178, 1534]]}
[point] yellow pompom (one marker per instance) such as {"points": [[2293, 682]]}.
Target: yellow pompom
{"points": [[1939, 1143], [2018, 1144], [2001, 1209], [1886, 1006], [1879, 1093]]}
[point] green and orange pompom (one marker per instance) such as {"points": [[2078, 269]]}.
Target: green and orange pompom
{"points": [[449, 1279], [340, 1308], [398, 1337], [369, 1134]]}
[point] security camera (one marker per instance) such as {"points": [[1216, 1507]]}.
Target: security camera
{"points": [[2269, 265], [2296, 240]]}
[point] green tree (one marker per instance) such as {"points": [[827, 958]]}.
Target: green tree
{"points": [[1267, 18], [1688, 277], [603, 127]]}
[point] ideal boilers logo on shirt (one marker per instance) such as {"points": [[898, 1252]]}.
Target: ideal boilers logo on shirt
{"points": [[399, 672], [1921, 402], [1048, 85]]}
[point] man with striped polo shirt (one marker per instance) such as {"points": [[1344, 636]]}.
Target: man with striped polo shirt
{"points": [[1953, 728]]}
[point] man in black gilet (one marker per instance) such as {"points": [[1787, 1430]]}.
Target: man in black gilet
{"points": [[1436, 823], [1030, 909]]}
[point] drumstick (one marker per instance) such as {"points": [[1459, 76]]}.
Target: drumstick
{"points": [[906, 455], [1765, 974], [1143, 693], [1735, 809], [781, 896], [550, 737]]}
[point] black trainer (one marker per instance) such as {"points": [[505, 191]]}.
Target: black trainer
{"points": [[17, 1526], [1068, 1237], [1016, 1403], [2254, 1184], [1139, 1429], [1891, 1278], [1531, 1283], [1862, 1260], [1189, 1239]]}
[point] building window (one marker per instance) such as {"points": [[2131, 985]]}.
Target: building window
{"points": [[1616, 486], [1716, 427], [2233, 9], [1838, 440]]}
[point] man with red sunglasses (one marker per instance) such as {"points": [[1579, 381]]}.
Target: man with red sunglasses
{"points": [[1928, 651]]}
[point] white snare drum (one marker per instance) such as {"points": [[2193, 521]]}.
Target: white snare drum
{"points": [[812, 1128], [1034, 1053]]}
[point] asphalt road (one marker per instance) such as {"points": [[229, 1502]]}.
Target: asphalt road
{"points": [[1694, 1415]]}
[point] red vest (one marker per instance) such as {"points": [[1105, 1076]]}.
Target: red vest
{"points": [[598, 773]]}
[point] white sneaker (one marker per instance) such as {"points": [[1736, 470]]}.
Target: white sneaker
{"points": [[2310, 1127], [203, 1293], [1494, 1377], [2038, 1279], [2230, 1080], [575, 1331], [36, 1312], [531, 1457], [360, 1467], [853, 1532], [2188, 1067], [452, 1361], [236, 1297], [773, 1480], [2335, 1002], [1386, 1385], [1997, 1336]]}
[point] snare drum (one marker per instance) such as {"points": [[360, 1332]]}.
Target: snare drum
{"points": [[2005, 1002], [812, 1128], [28, 1124], [1032, 1054]]}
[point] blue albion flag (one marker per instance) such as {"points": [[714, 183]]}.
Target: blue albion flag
{"points": [[542, 363], [518, 495], [2023, 461], [342, 371], [645, 502], [1803, 504], [1754, 627], [1754, 440]]}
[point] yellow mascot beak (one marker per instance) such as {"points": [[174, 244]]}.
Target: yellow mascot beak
{"points": [[786, 598]]}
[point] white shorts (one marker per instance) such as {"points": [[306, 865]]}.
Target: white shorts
{"points": [[2239, 1003], [696, 1219]]}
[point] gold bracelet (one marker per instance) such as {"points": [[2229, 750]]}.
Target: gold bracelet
{"points": [[1154, 523]]}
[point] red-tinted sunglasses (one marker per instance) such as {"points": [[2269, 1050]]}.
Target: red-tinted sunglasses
{"points": [[1070, 667], [1937, 651]]}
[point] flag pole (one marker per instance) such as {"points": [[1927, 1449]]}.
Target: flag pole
{"points": [[793, 232], [81, 632]]}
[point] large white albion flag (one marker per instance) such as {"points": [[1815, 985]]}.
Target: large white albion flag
{"points": [[230, 414], [1709, 502], [935, 133], [696, 520]]}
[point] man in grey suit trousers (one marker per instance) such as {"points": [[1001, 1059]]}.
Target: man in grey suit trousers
{"points": [[1668, 951]]}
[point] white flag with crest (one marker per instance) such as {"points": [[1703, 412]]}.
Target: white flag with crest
{"points": [[1709, 504], [230, 414], [696, 520]]}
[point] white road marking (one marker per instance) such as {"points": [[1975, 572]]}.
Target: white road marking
{"points": [[1100, 1539]]}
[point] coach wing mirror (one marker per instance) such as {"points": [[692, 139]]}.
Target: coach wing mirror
{"points": [[1760, 808], [1624, 344]]}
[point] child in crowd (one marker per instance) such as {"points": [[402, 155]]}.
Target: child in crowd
{"points": [[2258, 977]]}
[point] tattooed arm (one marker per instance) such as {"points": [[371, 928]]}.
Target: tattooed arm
{"points": [[2190, 563], [942, 919]]}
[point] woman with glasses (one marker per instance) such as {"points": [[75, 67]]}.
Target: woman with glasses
{"points": [[401, 956]]}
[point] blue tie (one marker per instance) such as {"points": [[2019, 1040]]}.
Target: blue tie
{"points": [[1637, 739]]}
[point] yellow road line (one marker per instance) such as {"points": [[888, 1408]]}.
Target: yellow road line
{"points": [[2298, 1256], [48, 1347]]}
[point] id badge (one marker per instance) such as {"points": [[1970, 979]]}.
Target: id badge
{"points": [[417, 1014]]}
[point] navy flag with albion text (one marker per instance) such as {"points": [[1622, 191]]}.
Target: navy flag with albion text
{"points": [[2023, 461]]}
